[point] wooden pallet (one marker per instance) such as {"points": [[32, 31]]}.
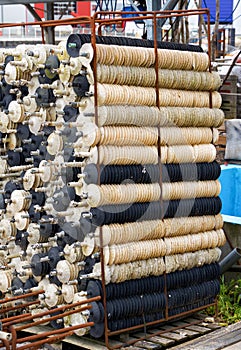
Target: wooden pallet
{"points": [[161, 337], [175, 333]]}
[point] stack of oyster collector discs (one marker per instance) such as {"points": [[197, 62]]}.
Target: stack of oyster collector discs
{"points": [[108, 160]]}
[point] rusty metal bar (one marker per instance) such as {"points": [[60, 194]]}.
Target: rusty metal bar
{"points": [[22, 296], [78, 20], [52, 318], [60, 308], [16, 317], [55, 331], [161, 14], [161, 332], [16, 307], [186, 313], [49, 23], [6, 343], [94, 68], [36, 344]]}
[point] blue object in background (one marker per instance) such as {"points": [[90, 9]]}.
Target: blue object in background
{"points": [[130, 9], [230, 195], [226, 11]]}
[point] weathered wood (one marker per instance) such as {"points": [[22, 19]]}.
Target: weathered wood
{"points": [[148, 345], [156, 339], [131, 348], [187, 332], [236, 346], [163, 341], [210, 325], [216, 340], [174, 336], [199, 329]]}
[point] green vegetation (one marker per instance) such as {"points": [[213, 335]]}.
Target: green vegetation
{"points": [[229, 302]]}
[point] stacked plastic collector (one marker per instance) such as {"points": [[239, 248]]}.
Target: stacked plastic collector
{"points": [[157, 197], [138, 180]]}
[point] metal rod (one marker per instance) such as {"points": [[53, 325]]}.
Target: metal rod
{"points": [[18, 307], [53, 339], [60, 308], [55, 331], [186, 313], [16, 317], [52, 318], [22, 296], [6, 343], [160, 332]]}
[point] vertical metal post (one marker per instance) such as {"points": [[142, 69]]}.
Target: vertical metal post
{"points": [[49, 15]]}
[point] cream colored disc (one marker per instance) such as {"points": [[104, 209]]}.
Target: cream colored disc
{"points": [[21, 220], [78, 319], [64, 73], [63, 271], [68, 292], [86, 54], [33, 233], [51, 295], [7, 229], [55, 144], [94, 195], [5, 281], [15, 112], [10, 73], [29, 179], [37, 311], [4, 122], [46, 170], [35, 124], [12, 141], [88, 245], [75, 65], [19, 201], [63, 55], [29, 104]]}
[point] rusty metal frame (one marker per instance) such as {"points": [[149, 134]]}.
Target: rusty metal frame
{"points": [[96, 23], [98, 20], [12, 325]]}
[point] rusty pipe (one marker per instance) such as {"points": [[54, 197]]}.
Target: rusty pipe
{"points": [[16, 317], [49, 23], [52, 318], [186, 313], [63, 307], [6, 343], [17, 297], [36, 344], [53, 332], [13, 308]]}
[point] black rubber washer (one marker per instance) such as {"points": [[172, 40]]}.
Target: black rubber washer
{"points": [[80, 85]]}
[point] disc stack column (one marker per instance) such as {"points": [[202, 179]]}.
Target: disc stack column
{"points": [[159, 227]]}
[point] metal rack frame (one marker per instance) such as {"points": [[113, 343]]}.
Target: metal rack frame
{"points": [[154, 16], [99, 20]]}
